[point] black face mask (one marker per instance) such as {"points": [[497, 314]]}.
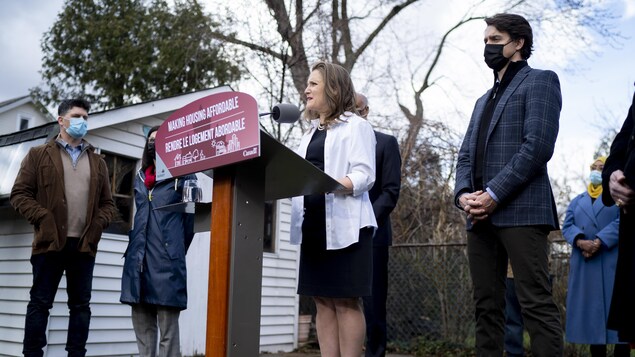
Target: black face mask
{"points": [[494, 57], [151, 150]]}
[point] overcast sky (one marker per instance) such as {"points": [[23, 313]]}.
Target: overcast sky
{"points": [[601, 89], [601, 84]]}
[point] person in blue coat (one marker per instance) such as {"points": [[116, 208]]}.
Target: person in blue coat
{"points": [[592, 230], [154, 278]]}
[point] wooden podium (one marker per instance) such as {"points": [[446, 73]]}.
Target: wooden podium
{"points": [[237, 227]]}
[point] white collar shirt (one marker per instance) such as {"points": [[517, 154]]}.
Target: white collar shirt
{"points": [[349, 151]]}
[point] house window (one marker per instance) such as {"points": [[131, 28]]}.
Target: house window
{"points": [[10, 159], [121, 170], [23, 122], [269, 240]]}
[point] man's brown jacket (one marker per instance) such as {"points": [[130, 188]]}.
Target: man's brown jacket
{"points": [[38, 194]]}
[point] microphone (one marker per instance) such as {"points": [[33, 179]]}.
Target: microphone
{"points": [[284, 113]]}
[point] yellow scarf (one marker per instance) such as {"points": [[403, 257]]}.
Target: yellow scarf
{"points": [[594, 191]]}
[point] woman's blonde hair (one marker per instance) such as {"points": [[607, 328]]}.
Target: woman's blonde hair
{"points": [[339, 91]]}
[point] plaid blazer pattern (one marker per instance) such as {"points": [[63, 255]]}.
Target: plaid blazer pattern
{"points": [[520, 141]]}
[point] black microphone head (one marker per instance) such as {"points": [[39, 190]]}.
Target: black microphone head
{"points": [[285, 113]]}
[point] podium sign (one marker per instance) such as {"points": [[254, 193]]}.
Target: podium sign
{"points": [[210, 132], [216, 131]]}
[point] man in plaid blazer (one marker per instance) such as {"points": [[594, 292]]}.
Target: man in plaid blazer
{"points": [[503, 186]]}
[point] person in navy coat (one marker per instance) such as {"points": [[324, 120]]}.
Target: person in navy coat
{"points": [[383, 195], [592, 230], [154, 280], [503, 186], [618, 180]]}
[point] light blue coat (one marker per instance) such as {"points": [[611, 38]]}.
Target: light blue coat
{"points": [[591, 281]]}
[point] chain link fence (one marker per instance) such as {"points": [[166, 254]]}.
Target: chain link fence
{"points": [[430, 294]]}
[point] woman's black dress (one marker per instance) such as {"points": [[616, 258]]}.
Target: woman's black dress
{"points": [[337, 273]]}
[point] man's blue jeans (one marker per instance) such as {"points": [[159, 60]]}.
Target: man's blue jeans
{"points": [[47, 273]]}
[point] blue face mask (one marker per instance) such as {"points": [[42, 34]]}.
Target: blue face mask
{"points": [[595, 177], [77, 128]]}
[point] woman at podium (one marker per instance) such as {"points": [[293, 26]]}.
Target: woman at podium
{"points": [[335, 229], [154, 278]]}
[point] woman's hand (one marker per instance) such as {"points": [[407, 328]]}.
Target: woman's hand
{"points": [[588, 247], [347, 183]]}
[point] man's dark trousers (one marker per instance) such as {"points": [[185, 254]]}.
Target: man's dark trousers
{"points": [[528, 250], [47, 273], [514, 326], [375, 305]]}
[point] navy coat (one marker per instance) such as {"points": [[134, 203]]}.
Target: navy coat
{"points": [[520, 141], [154, 271], [591, 281]]}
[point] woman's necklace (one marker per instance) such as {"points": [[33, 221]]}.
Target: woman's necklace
{"points": [[321, 126]]}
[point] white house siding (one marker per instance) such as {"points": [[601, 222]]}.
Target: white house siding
{"points": [[126, 139], [9, 119], [111, 330], [15, 280], [193, 321], [279, 314]]}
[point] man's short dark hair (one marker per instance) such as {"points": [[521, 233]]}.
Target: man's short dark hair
{"points": [[67, 104], [517, 27]]}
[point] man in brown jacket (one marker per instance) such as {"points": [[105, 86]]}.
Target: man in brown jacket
{"points": [[63, 189]]}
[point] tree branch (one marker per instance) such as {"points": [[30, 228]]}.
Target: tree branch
{"points": [[221, 36], [350, 62], [298, 63], [439, 50]]}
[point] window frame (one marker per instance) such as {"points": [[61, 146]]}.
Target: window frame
{"points": [[274, 235], [21, 118], [117, 196]]}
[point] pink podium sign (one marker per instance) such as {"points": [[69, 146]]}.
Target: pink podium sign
{"points": [[210, 132]]}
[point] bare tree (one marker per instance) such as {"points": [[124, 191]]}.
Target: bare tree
{"points": [[388, 49], [321, 29], [428, 70], [397, 54]]}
